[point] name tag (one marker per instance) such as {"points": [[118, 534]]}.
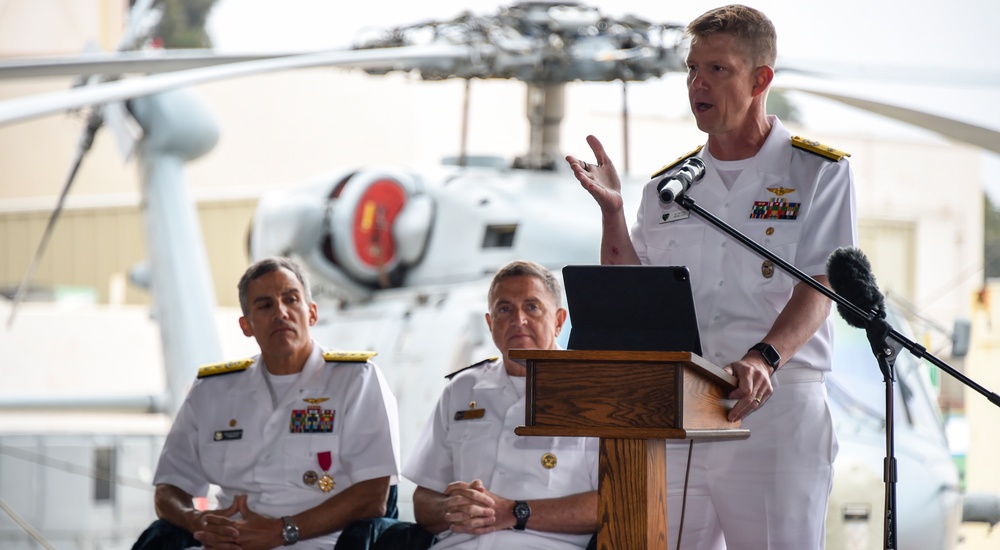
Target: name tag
{"points": [[227, 435], [470, 414], [674, 216]]}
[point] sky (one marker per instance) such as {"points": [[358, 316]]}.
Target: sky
{"points": [[914, 33], [941, 44]]}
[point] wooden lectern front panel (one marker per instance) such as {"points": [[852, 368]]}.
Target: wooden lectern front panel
{"points": [[606, 394]]}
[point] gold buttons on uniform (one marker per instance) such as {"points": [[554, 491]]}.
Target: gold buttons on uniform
{"points": [[548, 461], [769, 231]]}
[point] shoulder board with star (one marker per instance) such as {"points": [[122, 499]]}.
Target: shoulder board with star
{"points": [[818, 148], [225, 367], [479, 364], [348, 356], [680, 159]]}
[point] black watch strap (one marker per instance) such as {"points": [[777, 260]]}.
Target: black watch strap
{"points": [[770, 355], [521, 513]]}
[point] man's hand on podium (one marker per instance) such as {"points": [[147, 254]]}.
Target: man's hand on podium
{"points": [[753, 386]]}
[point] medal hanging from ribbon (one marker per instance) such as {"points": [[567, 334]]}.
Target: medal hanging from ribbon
{"points": [[325, 460]]}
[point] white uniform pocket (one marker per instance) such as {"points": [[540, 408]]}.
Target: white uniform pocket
{"points": [[472, 446], [762, 277], [227, 459], [677, 243]]}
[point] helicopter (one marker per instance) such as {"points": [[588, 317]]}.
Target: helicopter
{"points": [[372, 236]]}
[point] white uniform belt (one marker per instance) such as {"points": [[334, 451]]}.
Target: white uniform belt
{"points": [[798, 376]]}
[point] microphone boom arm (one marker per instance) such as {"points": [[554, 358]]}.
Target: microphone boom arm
{"points": [[917, 350], [879, 333]]}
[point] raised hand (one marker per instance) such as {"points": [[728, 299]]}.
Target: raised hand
{"points": [[600, 179]]}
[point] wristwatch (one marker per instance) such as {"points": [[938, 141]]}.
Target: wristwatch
{"points": [[290, 532], [771, 355], [521, 512]]}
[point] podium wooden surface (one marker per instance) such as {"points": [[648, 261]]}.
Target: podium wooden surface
{"points": [[633, 401]]}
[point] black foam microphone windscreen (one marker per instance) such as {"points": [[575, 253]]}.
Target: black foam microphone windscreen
{"points": [[850, 275]]}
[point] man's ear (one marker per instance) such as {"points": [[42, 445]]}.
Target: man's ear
{"points": [[245, 325], [313, 314], [489, 322], [560, 319], [763, 76]]}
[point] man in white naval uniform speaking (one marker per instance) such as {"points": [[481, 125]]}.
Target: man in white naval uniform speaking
{"points": [[301, 441], [774, 333]]}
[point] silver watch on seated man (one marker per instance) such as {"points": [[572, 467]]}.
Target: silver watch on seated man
{"points": [[290, 531]]}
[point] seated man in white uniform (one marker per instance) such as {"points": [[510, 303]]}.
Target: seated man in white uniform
{"points": [[479, 484], [301, 441]]}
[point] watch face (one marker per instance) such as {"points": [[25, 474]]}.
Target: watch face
{"points": [[770, 354], [521, 512], [290, 532]]}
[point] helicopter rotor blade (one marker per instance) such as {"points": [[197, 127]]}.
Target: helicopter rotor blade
{"points": [[923, 75], [94, 122], [124, 62], [21, 109], [978, 136]]}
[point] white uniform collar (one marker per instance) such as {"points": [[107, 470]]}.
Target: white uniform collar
{"points": [[775, 155], [494, 376], [256, 381]]}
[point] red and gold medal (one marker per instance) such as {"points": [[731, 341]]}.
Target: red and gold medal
{"points": [[326, 483]]}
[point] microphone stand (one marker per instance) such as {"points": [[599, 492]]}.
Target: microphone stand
{"points": [[885, 342]]}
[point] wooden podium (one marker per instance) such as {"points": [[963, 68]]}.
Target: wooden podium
{"points": [[633, 401]]}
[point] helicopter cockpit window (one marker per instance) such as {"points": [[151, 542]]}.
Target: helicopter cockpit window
{"points": [[104, 470], [499, 236]]}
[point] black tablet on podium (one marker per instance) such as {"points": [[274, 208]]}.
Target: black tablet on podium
{"points": [[631, 308]]}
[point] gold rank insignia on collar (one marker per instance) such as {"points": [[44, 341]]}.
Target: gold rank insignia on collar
{"points": [[225, 367], [680, 159], [818, 148], [348, 356]]}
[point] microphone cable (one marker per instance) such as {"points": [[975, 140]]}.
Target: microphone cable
{"points": [[684, 495]]}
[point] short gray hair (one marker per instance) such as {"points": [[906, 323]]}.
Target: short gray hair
{"points": [[265, 266], [523, 268]]}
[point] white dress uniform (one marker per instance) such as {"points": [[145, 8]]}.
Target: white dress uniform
{"points": [[795, 198], [471, 436], [336, 418]]}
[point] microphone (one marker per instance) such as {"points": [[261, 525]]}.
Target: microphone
{"points": [[692, 170], [851, 277]]}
